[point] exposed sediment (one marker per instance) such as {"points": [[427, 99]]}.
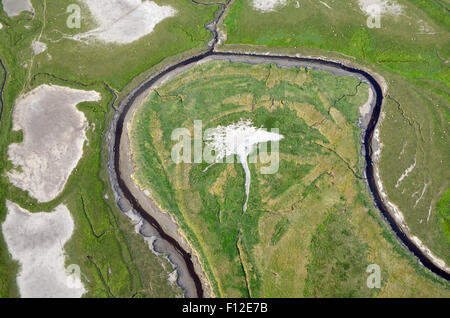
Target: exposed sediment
{"points": [[36, 241], [124, 21], [191, 276], [15, 7]]}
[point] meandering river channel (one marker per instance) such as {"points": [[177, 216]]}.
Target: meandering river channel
{"points": [[117, 133]]}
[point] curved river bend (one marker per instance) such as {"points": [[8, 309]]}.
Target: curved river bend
{"points": [[117, 129]]}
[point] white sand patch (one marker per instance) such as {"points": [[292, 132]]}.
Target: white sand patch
{"points": [[53, 137], [439, 262], [405, 173], [238, 139], [36, 241], [124, 21], [421, 195], [173, 276], [325, 4], [268, 5], [385, 7], [38, 47], [15, 7]]}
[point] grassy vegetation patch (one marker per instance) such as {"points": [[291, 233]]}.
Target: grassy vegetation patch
{"points": [[338, 258]]}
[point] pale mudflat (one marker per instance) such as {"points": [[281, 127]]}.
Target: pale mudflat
{"points": [[53, 138], [36, 241], [268, 5]]}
